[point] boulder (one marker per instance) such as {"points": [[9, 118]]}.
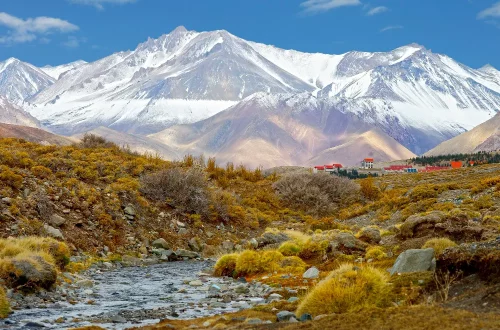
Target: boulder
{"points": [[160, 243], [130, 261], [420, 225], [347, 243], [32, 273], [187, 254], [272, 238], [311, 273], [53, 232], [253, 243], [370, 235], [228, 246], [56, 220], [182, 231], [416, 260]]}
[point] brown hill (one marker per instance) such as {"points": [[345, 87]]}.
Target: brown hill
{"points": [[32, 134]]}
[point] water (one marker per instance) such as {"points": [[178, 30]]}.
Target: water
{"points": [[143, 295]]}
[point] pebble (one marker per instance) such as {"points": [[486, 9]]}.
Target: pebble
{"points": [[196, 283]]}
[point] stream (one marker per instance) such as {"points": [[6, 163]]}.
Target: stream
{"points": [[131, 296]]}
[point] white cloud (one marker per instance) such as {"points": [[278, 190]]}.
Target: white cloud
{"points": [[316, 6], [392, 27], [493, 11], [99, 4], [377, 10], [20, 30]]}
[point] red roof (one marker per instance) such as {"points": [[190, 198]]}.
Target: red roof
{"points": [[319, 167], [337, 165], [369, 160]]}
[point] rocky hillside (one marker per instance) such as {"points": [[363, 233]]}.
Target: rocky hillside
{"points": [[485, 137]]}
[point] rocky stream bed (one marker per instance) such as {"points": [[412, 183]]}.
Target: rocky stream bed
{"points": [[117, 297]]}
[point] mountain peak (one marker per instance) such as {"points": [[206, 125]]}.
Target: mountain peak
{"points": [[180, 29], [488, 68]]}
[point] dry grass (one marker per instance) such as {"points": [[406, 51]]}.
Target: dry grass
{"points": [[347, 289], [4, 304], [226, 265], [439, 245]]}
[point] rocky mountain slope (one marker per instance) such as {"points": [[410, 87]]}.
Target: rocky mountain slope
{"points": [[56, 71], [13, 114], [485, 137], [33, 134], [269, 130]]}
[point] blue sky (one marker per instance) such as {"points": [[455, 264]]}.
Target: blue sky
{"points": [[59, 31]]}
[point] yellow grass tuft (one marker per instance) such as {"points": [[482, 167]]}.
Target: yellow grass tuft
{"points": [[439, 244], [375, 253], [347, 289], [290, 248], [4, 304], [226, 265]]}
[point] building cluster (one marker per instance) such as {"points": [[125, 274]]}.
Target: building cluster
{"points": [[367, 164]]}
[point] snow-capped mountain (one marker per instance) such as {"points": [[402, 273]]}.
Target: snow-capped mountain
{"points": [[13, 114], [56, 71], [20, 80], [413, 95]]}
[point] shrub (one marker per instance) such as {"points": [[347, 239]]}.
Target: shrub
{"points": [[226, 265], [313, 248], [375, 253], [4, 304], [185, 190], [348, 289], [41, 172], [368, 189], [94, 141], [290, 249], [10, 178], [270, 261], [317, 194], [439, 245]]}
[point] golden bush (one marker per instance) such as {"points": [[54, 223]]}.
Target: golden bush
{"points": [[439, 244]]}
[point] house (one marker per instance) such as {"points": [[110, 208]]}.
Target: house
{"points": [[327, 168], [456, 164], [367, 163]]}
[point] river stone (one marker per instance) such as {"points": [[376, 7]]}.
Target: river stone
{"points": [[416, 260], [160, 243], [56, 220], [117, 319], [32, 324], [130, 261], [194, 244], [196, 283], [305, 317], [182, 231], [285, 316], [85, 283], [228, 246], [253, 243], [292, 299], [53, 232], [311, 273]]}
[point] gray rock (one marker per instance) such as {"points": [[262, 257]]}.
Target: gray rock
{"points": [[117, 319], [130, 261], [319, 317], [53, 232], [242, 289], [253, 320], [7, 200], [187, 254], [271, 238], [417, 260], [182, 231], [292, 299], [253, 243], [129, 210], [285, 316], [228, 246], [311, 273], [160, 243], [275, 296], [194, 244], [56, 220], [305, 317], [347, 243]]}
